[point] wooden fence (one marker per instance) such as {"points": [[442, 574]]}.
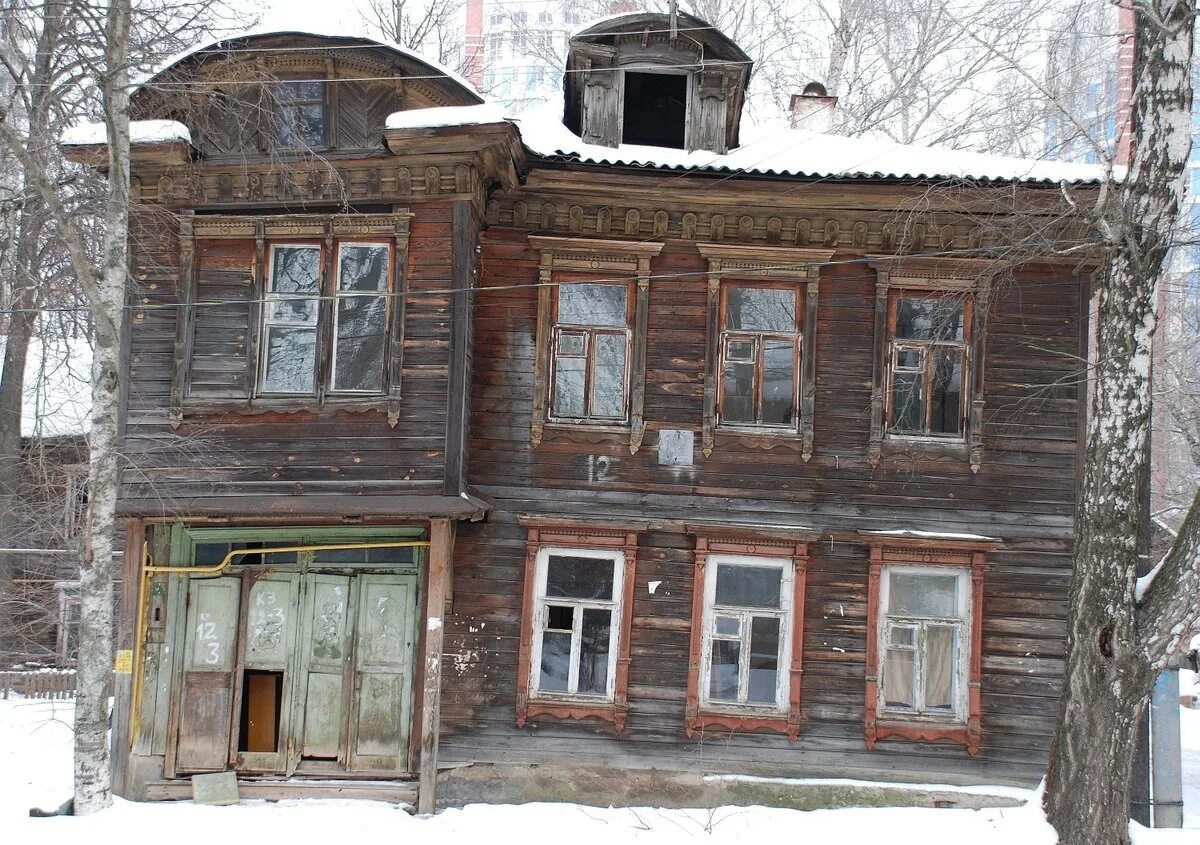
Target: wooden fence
{"points": [[38, 684]]}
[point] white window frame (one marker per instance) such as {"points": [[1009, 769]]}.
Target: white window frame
{"points": [[963, 623], [540, 619], [269, 298], [339, 295], [786, 615]]}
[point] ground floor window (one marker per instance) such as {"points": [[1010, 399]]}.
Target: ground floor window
{"points": [[575, 637], [747, 629], [924, 642]]}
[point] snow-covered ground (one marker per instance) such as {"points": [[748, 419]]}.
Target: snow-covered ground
{"points": [[35, 740]]}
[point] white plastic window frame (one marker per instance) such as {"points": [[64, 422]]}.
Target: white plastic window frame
{"points": [[785, 613], [962, 666], [540, 618]]}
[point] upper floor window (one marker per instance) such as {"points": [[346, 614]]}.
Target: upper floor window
{"points": [[590, 343], [295, 319], [928, 338], [300, 114], [760, 356]]}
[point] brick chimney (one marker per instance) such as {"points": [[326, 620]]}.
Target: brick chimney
{"points": [[1126, 49], [813, 109], [473, 44]]}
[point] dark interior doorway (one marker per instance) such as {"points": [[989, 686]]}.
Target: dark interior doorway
{"points": [[655, 109]]}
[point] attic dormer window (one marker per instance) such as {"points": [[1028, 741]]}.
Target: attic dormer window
{"points": [[300, 114], [655, 110]]}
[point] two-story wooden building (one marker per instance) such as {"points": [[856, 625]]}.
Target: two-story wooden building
{"points": [[601, 456]]}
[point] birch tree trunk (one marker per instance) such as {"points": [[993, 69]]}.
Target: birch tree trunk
{"points": [[1118, 640], [93, 776]]}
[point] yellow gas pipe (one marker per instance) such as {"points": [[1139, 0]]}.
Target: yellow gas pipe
{"points": [[149, 570]]}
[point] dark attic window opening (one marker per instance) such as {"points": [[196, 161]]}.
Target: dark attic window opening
{"points": [[655, 109]]}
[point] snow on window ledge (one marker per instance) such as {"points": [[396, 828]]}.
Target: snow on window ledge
{"points": [[140, 132]]}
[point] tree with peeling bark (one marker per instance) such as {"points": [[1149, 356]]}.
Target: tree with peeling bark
{"points": [[1123, 631]]}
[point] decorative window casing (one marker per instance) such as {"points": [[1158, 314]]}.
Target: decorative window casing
{"points": [[924, 640], [590, 365], [928, 378], [577, 613], [324, 311], [761, 341], [747, 635]]}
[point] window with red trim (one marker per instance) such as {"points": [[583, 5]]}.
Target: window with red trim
{"points": [[574, 660], [747, 636], [923, 644]]}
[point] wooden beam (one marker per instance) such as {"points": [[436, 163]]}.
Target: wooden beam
{"points": [[441, 539]]}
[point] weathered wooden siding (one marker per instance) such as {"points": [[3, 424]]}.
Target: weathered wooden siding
{"points": [[223, 453], [1023, 495]]}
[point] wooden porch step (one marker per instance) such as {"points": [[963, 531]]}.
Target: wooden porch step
{"points": [[271, 789]]}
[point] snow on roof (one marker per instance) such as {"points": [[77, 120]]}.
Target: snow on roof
{"points": [[930, 535], [794, 152], [140, 132], [332, 32], [446, 116]]}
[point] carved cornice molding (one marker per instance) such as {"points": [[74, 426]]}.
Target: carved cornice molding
{"points": [[302, 225]]}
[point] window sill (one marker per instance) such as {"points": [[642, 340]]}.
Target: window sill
{"points": [[573, 709], [902, 445], [285, 404], [743, 721], [964, 733]]}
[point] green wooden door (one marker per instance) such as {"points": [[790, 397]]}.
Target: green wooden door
{"points": [[267, 680], [381, 711], [324, 657], [206, 699]]}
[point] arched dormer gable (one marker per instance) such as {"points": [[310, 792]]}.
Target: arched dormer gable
{"points": [[294, 92], [630, 81]]}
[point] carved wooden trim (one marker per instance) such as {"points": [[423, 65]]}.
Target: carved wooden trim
{"points": [[530, 706], [185, 318], [298, 225], [695, 719], [770, 263], [398, 311], [808, 369], [590, 255], [959, 554], [328, 287], [878, 368]]}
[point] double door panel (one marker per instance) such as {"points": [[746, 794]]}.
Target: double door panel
{"points": [[320, 679]]}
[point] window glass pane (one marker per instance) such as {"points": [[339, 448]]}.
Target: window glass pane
{"points": [[737, 403], [899, 679], [910, 359], [580, 577], [748, 586], [295, 272], [592, 305], [608, 387], [760, 309], [921, 594], [402, 555], [301, 125], [903, 635], [935, 318], [291, 359], [299, 90], [779, 386], [946, 391], [737, 349], [728, 626], [908, 410], [764, 659], [210, 554], [723, 674], [593, 651], [568, 387], [361, 339], [362, 268], [556, 661], [572, 344], [560, 617], [941, 653]]}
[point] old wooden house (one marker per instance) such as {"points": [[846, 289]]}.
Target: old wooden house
{"points": [[601, 454]]}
